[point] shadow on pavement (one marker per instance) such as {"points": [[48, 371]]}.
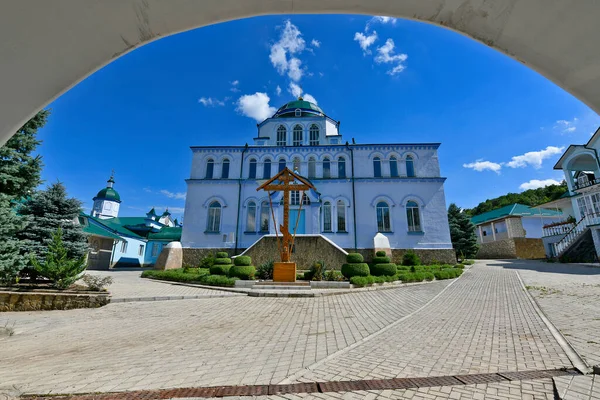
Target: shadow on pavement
{"points": [[542, 266]]}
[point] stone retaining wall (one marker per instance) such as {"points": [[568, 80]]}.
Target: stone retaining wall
{"points": [[524, 248], [192, 257], [35, 301], [427, 256]]}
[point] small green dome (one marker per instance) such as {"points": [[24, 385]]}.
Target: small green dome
{"points": [[108, 194], [306, 109]]}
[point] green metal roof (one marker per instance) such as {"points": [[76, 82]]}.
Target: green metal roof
{"points": [[167, 233], [108, 194], [289, 109], [118, 225], [93, 229], [516, 210]]}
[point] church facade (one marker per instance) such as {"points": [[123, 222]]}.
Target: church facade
{"points": [[361, 189]]}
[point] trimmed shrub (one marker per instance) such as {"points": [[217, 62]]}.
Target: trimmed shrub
{"points": [[411, 277], [381, 260], [242, 261], [244, 272], [428, 276], [383, 269], [217, 280], [299, 277], [459, 266], [355, 269], [468, 262], [265, 270], [175, 275], [316, 272], [449, 273], [354, 258], [333, 275], [361, 281], [222, 254], [207, 261], [223, 261], [219, 269], [380, 253], [402, 268], [410, 258]]}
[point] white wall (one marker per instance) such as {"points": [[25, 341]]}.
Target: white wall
{"points": [[533, 225]]}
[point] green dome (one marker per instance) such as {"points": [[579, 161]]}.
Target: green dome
{"points": [[108, 194], [306, 108]]}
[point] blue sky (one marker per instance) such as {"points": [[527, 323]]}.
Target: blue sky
{"points": [[501, 124]]}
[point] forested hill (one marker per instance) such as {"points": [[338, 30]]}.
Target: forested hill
{"points": [[531, 197]]}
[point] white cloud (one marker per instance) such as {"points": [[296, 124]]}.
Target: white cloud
{"points": [[365, 41], [321, 74], [278, 90], [536, 183], [172, 195], [210, 102], [234, 86], [172, 210], [255, 106], [295, 90], [385, 55], [290, 42], [565, 126], [380, 20], [315, 43], [310, 98], [534, 158], [235, 83], [481, 165]]}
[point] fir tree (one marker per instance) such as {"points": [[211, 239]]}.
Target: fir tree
{"points": [[46, 211], [19, 169], [11, 261], [62, 270], [462, 232]]}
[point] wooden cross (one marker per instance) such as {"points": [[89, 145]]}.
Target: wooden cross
{"points": [[286, 181]]}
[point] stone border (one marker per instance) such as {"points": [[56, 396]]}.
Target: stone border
{"points": [[46, 300], [577, 361]]}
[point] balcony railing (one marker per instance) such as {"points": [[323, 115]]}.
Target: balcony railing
{"points": [[558, 229], [588, 183], [575, 232]]}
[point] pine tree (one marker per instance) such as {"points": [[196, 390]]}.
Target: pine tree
{"points": [[46, 211], [19, 169], [62, 270], [462, 232], [11, 261]]}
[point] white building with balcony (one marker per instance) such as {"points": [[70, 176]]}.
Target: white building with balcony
{"points": [[581, 166], [362, 189]]}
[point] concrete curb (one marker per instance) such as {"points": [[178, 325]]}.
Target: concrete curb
{"points": [[294, 377], [166, 298], [577, 361]]}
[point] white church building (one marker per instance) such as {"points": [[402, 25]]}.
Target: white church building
{"points": [[362, 189]]}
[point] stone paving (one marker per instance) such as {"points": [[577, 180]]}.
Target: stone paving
{"points": [[482, 322], [578, 387]]}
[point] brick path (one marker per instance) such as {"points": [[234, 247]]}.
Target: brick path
{"points": [[483, 322]]}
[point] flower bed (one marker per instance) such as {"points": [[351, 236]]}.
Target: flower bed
{"points": [[23, 299]]}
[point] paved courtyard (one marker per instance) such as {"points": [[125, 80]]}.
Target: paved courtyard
{"points": [[482, 322]]}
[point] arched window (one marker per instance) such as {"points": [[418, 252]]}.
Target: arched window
{"points": [[298, 112], [267, 169], [297, 165], [295, 198], [383, 217], [225, 169], [214, 217], [264, 216], [305, 200], [314, 135], [210, 168], [341, 216], [327, 217], [341, 167], [251, 217], [377, 167], [312, 167], [252, 170], [281, 136], [281, 164], [326, 168], [393, 167], [297, 136], [410, 166], [414, 219]]}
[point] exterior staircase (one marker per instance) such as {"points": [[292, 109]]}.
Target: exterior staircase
{"points": [[578, 244]]}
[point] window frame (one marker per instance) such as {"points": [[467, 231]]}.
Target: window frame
{"points": [[281, 139], [314, 130], [264, 207], [410, 171], [297, 165], [216, 217], [326, 162], [377, 172], [382, 227], [327, 206], [412, 211], [341, 213], [297, 134], [210, 166], [225, 164], [281, 163], [251, 216], [341, 164], [265, 163], [312, 167], [394, 172], [141, 250], [252, 166], [124, 246]]}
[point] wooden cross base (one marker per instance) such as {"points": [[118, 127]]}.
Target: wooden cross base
{"points": [[284, 272]]}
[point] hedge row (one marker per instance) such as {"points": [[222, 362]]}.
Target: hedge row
{"points": [[178, 275]]}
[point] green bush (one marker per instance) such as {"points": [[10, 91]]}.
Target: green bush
{"points": [[410, 258], [402, 268], [459, 266], [242, 261], [450, 273], [361, 281], [468, 262], [411, 277], [223, 261], [299, 277], [244, 272], [207, 261], [222, 254], [355, 269], [217, 280], [316, 272], [333, 275], [383, 269], [428, 276], [381, 260], [265, 270], [380, 253], [175, 275], [354, 258], [219, 269]]}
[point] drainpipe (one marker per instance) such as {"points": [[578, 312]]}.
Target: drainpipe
{"points": [[353, 193], [237, 225]]}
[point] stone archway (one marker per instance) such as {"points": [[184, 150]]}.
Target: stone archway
{"points": [[48, 47]]}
